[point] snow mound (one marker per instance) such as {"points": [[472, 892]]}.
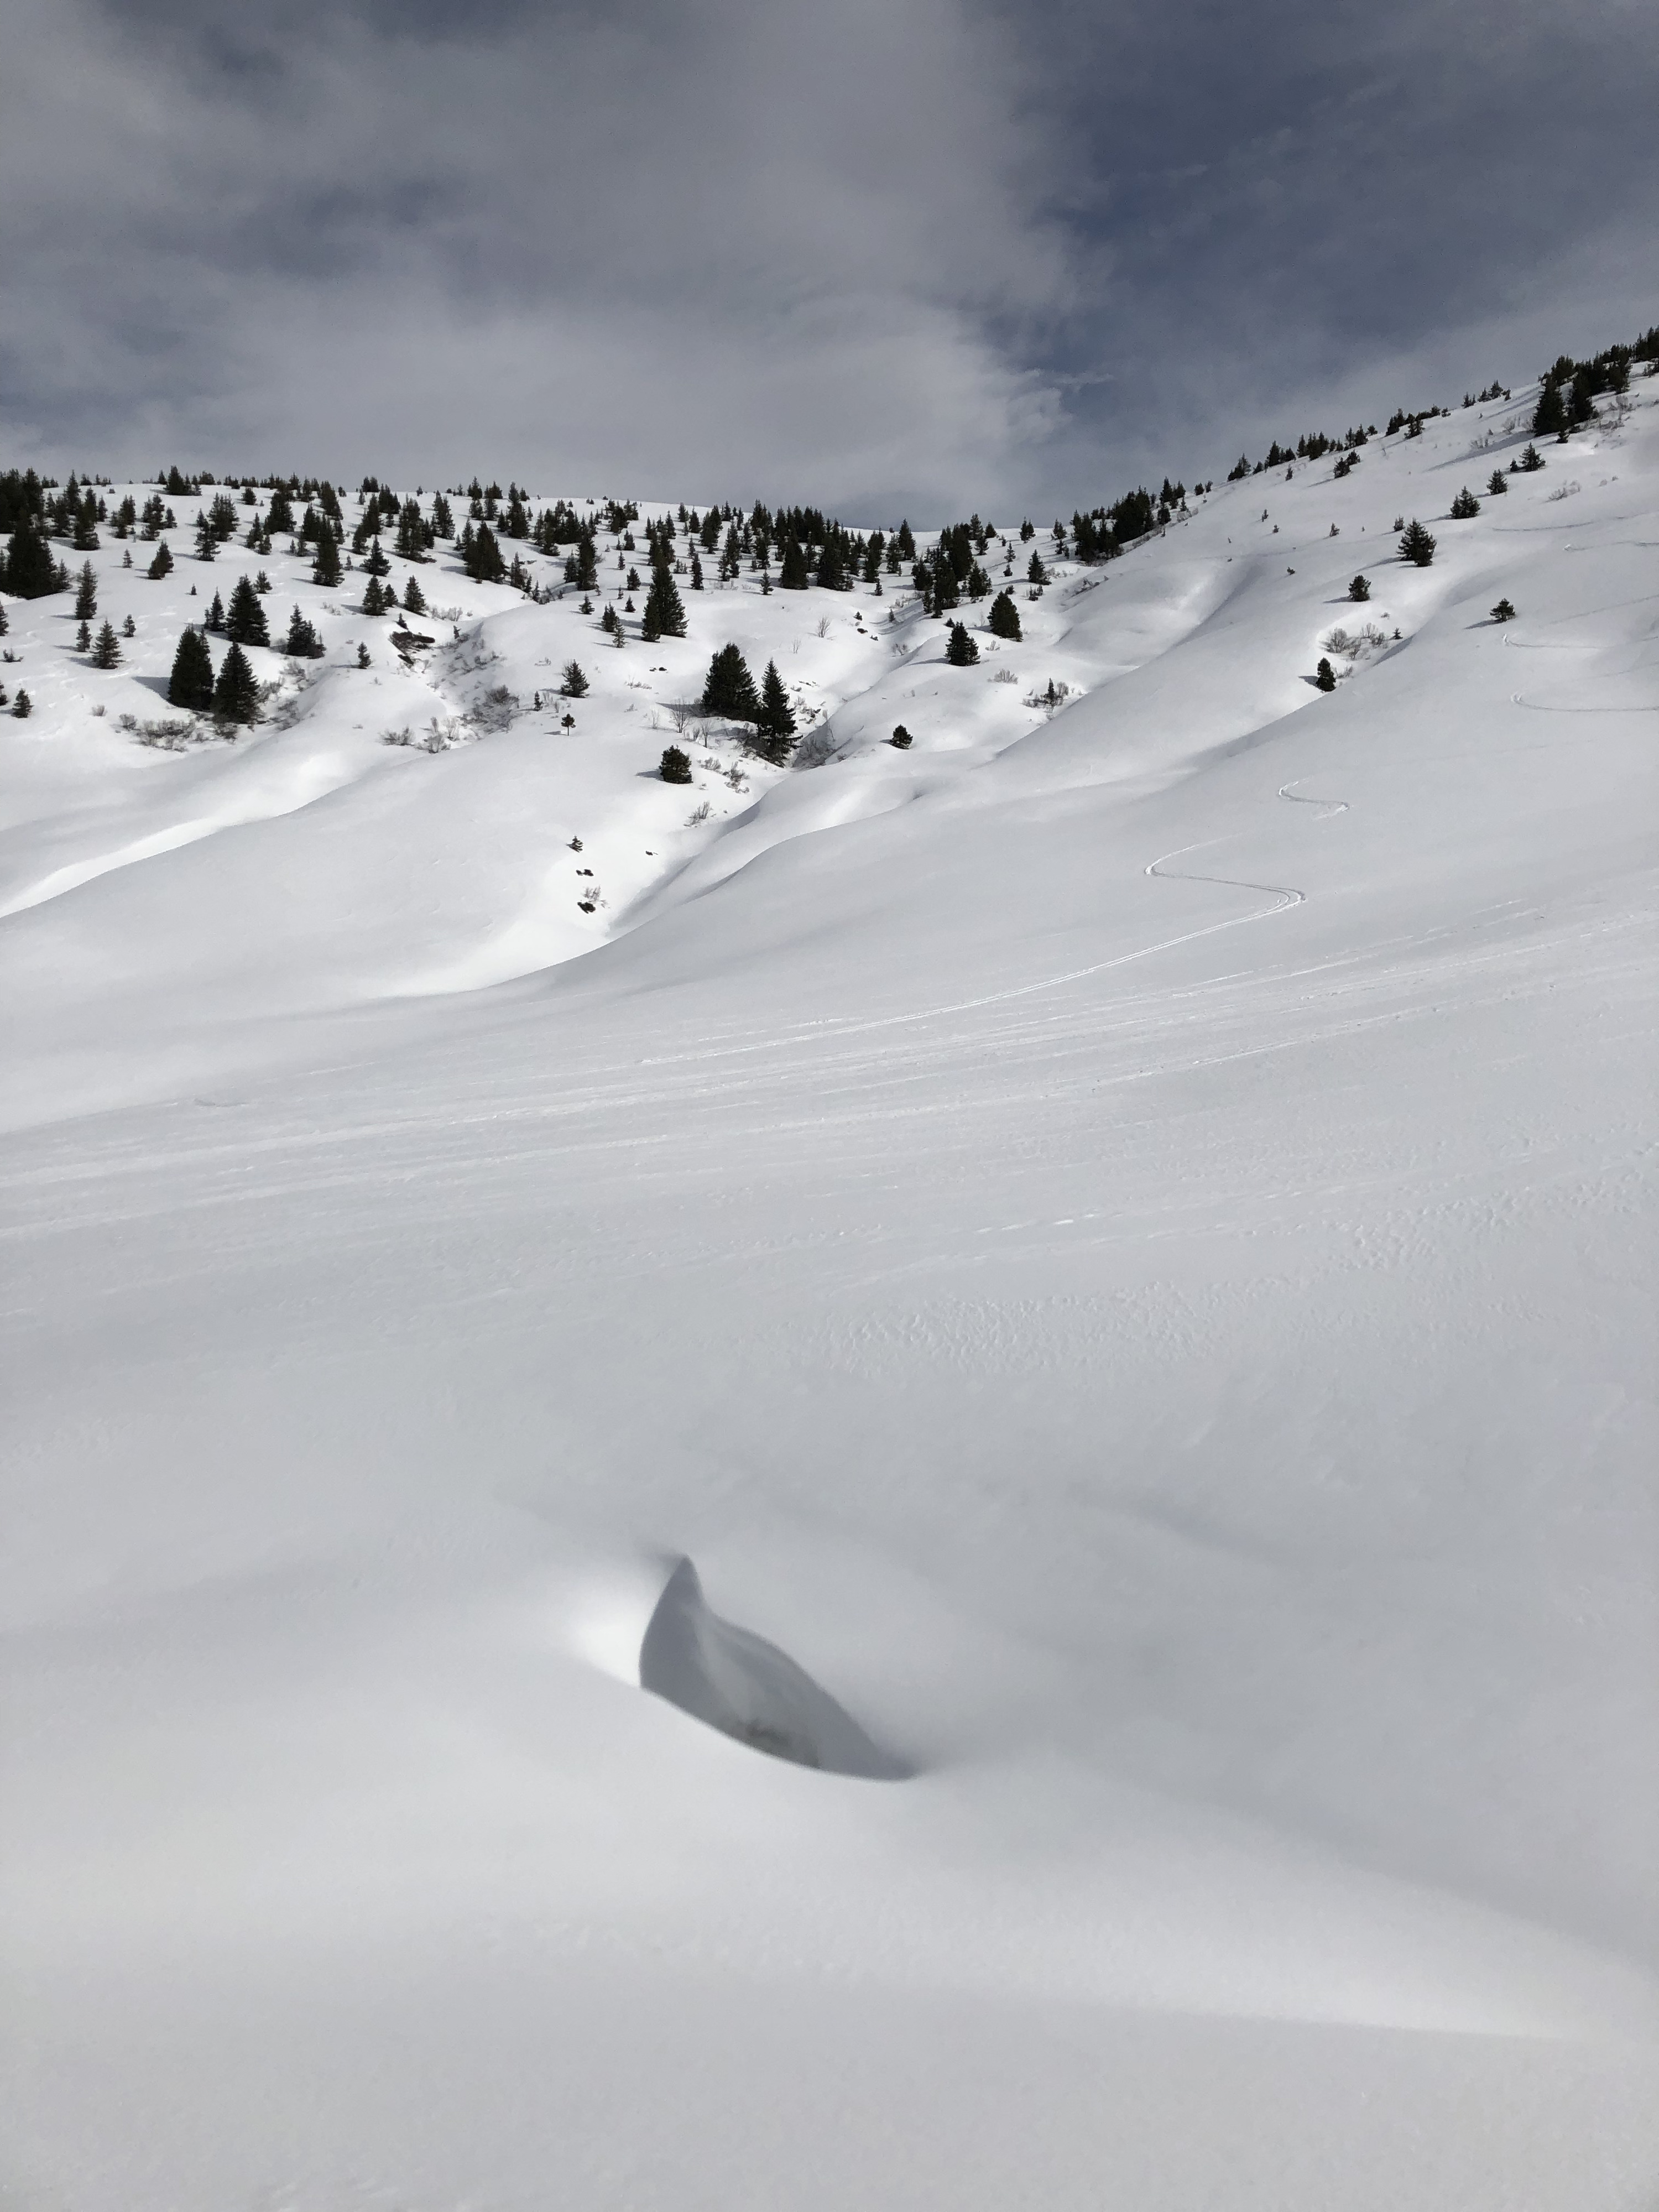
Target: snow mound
{"points": [[740, 1684]]}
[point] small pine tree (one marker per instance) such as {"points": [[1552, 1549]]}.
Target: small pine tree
{"points": [[22, 706], [1037, 573], [1503, 612], [106, 652], [574, 683], [1549, 417], [1465, 507], [129, 627], [729, 691], [1360, 588], [207, 537], [664, 613], [161, 565], [86, 592], [1531, 461], [245, 619], [792, 572], [675, 766], [482, 557], [325, 565], [1497, 484], [960, 652], [191, 685], [1003, 618], [84, 638], [1416, 545], [303, 641], [1325, 677], [697, 573], [900, 738], [28, 571], [215, 614], [414, 597], [236, 693], [777, 717]]}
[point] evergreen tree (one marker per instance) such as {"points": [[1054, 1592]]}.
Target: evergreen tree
{"points": [[245, 619], [832, 564], [215, 614], [1530, 462], [729, 693], [1497, 484], [792, 575], [443, 521], [84, 638], [86, 592], [377, 564], [377, 597], [960, 652], [86, 525], [697, 573], [236, 693], [1465, 507], [904, 545], [161, 564], [1360, 588], [280, 513], [1037, 573], [191, 685], [1503, 612], [676, 767], [302, 641], [1004, 617], [1549, 417], [482, 557], [326, 566], [574, 683], [776, 719], [414, 597], [664, 614], [106, 652], [900, 738], [1325, 677], [22, 706], [1416, 545], [207, 538], [30, 571]]}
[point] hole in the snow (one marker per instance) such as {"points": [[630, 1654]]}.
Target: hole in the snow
{"points": [[746, 1687]]}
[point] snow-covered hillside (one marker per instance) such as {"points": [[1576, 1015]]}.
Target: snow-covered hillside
{"points": [[1115, 1238]]}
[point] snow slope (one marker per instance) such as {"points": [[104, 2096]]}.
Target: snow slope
{"points": [[1116, 1242]]}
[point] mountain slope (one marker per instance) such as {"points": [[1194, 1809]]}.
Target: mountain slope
{"points": [[1115, 1239]]}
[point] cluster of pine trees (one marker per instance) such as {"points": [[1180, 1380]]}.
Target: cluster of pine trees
{"points": [[729, 696]]}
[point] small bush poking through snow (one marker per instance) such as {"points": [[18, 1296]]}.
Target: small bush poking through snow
{"points": [[676, 767], [1503, 612], [1360, 588]]}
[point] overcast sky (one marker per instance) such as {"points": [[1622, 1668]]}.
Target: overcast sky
{"points": [[889, 256]]}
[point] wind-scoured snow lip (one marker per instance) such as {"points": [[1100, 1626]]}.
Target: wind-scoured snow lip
{"points": [[736, 1682]]}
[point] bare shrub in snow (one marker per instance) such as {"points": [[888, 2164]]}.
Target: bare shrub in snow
{"points": [[495, 710], [1564, 491], [816, 748], [698, 814], [174, 733], [1005, 676]]}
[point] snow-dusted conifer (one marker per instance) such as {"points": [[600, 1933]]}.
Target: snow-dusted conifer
{"points": [[191, 685]]}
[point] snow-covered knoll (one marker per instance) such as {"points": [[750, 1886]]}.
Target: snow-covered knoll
{"points": [[1117, 1241]]}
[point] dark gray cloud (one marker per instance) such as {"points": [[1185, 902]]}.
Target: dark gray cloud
{"points": [[944, 254]]}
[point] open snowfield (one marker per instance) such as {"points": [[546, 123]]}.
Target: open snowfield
{"points": [[1118, 1239]]}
